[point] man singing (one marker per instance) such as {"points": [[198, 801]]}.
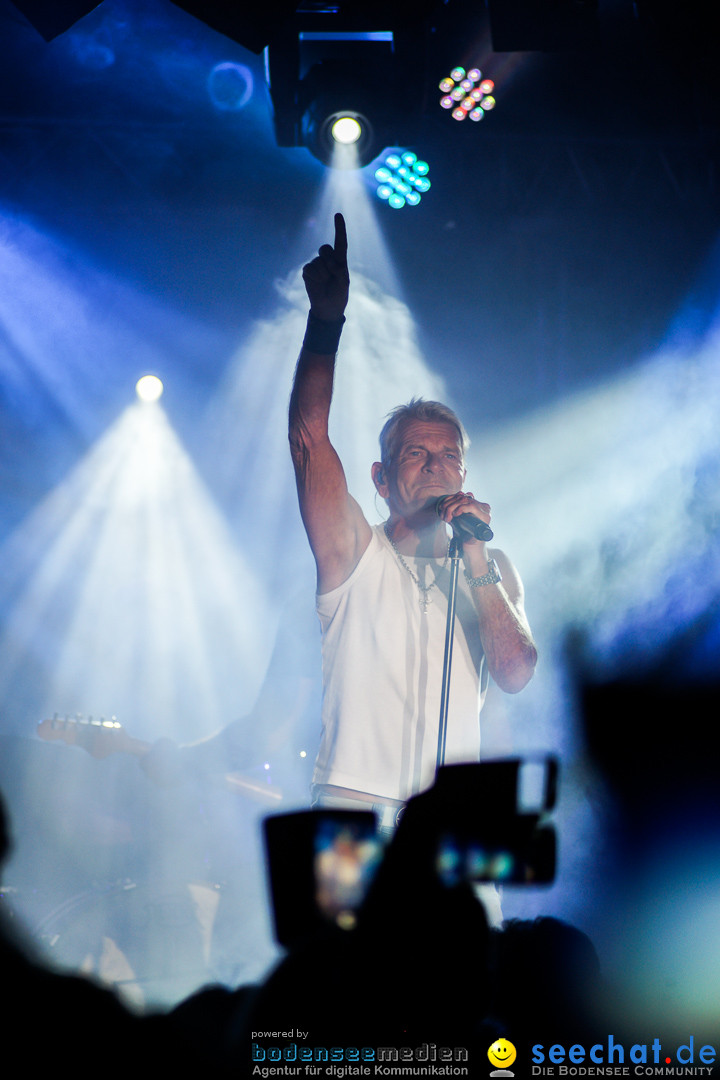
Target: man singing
{"points": [[382, 591]]}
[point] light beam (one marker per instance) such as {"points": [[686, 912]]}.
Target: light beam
{"points": [[134, 593]]}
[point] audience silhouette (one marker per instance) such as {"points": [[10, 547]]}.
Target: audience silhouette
{"points": [[420, 966]]}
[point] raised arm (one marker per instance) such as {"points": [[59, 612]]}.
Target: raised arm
{"points": [[335, 525]]}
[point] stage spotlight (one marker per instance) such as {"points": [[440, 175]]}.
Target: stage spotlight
{"points": [[402, 179], [467, 94], [337, 75], [149, 388], [335, 125], [346, 130]]}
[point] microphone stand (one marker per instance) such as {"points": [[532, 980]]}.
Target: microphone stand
{"points": [[455, 554]]}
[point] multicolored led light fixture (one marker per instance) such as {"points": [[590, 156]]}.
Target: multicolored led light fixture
{"points": [[467, 94]]}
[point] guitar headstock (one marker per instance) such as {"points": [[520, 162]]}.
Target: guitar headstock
{"points": [[100, 737]]}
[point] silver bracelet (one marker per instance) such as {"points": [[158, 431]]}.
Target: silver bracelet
{"points": [[492, 577]]}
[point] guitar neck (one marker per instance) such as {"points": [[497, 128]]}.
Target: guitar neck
{"points": [[99, 738]]}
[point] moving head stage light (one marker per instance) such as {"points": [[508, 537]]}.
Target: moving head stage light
{"points": [[339, 84], [335, 109]]}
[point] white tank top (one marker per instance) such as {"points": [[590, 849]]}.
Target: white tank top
{"points": [[382, 675]]}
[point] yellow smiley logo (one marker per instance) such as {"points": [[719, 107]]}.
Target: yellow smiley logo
{"points": [[502, 1053]]}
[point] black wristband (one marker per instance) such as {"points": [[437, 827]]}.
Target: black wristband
{"points": [[323, 336]]}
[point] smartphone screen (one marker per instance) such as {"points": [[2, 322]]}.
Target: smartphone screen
{"points": [[320, 864], [347, 854], [521, 857]]}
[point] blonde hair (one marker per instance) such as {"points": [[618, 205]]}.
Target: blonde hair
{"points": [[417, 409]]}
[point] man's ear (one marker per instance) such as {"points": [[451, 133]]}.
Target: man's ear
{"points": [[379, 478]]}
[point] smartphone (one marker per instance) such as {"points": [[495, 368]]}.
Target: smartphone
{"points": [[320, 865], [494, 823]]}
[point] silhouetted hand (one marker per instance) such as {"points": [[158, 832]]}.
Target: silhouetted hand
{"points": [[326, 278]]}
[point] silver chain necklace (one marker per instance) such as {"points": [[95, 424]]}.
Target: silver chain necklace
{"points": [[424, 590]]}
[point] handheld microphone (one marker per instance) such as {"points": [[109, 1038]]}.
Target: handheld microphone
{"points": [[467, 525]]}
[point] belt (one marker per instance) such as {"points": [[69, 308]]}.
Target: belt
{"points": [[388, 816]]}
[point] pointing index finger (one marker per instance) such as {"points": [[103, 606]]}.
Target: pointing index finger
{"points": [[340, 238]]}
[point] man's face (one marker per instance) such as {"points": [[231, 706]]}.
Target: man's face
{"points": [[428, 464]]}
